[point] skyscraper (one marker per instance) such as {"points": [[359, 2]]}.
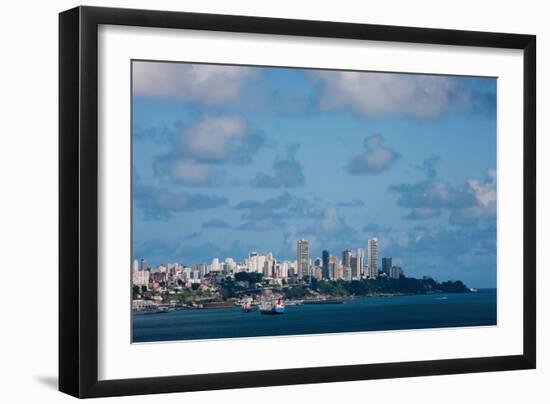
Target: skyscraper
{"points": [[354, 266], [143, 264], [386, 265], [361, 261], [333, 267], [268, 269], [215, 266], [302, 258], [346, 255], [373, 257], [252, 261], [326, 271]]}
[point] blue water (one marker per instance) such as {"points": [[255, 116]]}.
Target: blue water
{"points": [[362, 314]]}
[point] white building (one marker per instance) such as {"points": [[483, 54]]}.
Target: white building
{"points": [[215, 266], [373, 258], [255, 262], [361, 261], [230, 264], [267, 269], [302, 258], [140, 278], [346, 273], [284, 269]]}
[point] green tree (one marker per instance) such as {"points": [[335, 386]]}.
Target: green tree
{"points": [[251, 277]]}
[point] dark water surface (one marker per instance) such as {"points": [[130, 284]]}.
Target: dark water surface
{"points": [[362, 314]]}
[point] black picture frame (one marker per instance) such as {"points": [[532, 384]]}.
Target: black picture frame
{"points": [[78, 201]]}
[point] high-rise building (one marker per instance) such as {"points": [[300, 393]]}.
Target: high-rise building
{"points": [[255, 262], [355, 269], [215, 266], [140, 278], [395, 272], [285, 267], [386, 265], [260, 261], [333, 267], [302, 257], [326, 270], [318, 272], [346, 274], [230, 264], [142, 264], [252, 262], [373, 258], [346, 255], [361, 261], [268, 265], [268, 269]]}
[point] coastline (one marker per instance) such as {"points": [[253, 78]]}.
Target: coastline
{"points": [[365, 313], [320, 299]]}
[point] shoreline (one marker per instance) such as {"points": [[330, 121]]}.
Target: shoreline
{"points": [[160, 308]]}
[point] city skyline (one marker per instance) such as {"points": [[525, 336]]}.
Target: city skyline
{"points": [[255, 159], [352, 266]]}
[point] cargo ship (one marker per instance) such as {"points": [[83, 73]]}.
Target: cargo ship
{"points": [[272, 306]]}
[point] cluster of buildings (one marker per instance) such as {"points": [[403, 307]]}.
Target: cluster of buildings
{"points": [[351, 265]]}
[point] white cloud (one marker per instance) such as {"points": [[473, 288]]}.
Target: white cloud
{"points": [[287, 172], [375, 94], [375, 159], [199, 151], [206, 84], [190, 172], [212, 138], [473, 200], [485, 191], [331, 225]]}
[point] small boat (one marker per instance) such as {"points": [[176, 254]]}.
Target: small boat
{"points": [[247, 306], [272, 307]]}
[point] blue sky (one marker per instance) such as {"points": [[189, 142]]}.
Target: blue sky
{"points": [[233, 159]]}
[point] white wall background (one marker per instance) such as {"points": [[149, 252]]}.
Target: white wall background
{"points": [[28, 198]]}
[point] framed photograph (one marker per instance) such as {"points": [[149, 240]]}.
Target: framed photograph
{"points": [[251, 201]]}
